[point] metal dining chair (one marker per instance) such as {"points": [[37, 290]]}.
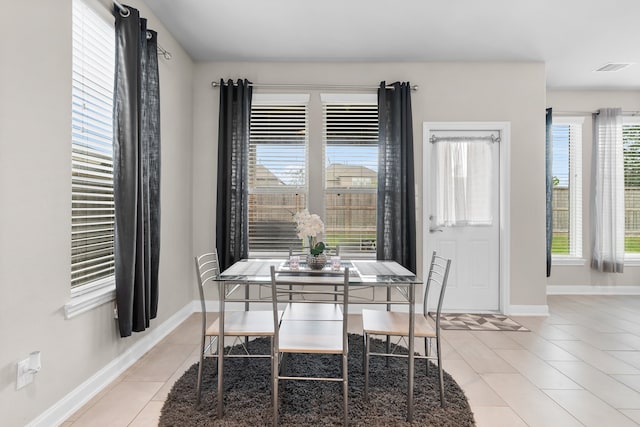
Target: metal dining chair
{"points": [[254, 323], [307, 335], [396, 324]]}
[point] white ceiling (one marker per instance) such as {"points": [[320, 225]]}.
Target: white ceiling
{"points": [[573, 37]]}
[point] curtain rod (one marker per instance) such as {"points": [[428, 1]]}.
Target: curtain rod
{"points": [[314, 86], [433, 139], [164, 52], [124, 12], [589, 113]]}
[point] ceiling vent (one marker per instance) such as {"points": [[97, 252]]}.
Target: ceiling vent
{"points": [[612, 66]]}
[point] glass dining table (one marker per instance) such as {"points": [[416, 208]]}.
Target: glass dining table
{"points": [[362, 273]]}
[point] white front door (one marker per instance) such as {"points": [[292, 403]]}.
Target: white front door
{"points": [[462, 213]]}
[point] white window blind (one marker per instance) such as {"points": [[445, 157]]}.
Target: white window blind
{"points": [[92, 135], [277, 171], [350, 135], [631, 145], [567, 187]]}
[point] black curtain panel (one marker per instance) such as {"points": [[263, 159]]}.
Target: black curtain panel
{"points": [[232, 223], [549, 184], [136, 171], [396, 213]]}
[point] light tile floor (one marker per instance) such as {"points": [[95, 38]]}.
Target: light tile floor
{"points": [[579, 366]]}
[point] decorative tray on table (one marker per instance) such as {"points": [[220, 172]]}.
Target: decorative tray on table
{"points": [[326, 271]]}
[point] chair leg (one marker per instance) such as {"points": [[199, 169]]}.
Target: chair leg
{"points": [[200, 368], [274, 391], [345, 388], [366, 366], [386, 359], [440, 371], [364, 350], [213, 353], [220, 385], [426, 353]]}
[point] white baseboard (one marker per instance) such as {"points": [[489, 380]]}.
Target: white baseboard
{"points": [[527, 310], [73, 401], [592, 290]]}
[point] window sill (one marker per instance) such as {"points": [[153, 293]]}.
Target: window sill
{"points": [[629, 261], [568, 261], [632, 261], [89, 297]]}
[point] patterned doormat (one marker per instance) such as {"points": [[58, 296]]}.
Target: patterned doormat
{"points": [[479, 322]]}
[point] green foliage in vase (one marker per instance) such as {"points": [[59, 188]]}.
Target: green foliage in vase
{"points": [[317, 249]]}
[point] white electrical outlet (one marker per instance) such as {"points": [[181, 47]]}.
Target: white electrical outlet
{"points": [[23, 376]]}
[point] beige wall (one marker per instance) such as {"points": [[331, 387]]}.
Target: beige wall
{"points": [[448, 92], [564, 102], [35, 198]]}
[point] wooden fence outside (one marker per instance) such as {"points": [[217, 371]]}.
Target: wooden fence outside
{"points": [[560, 207]]}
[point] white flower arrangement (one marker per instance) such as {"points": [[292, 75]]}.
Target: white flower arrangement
{"points": [[310, 226]]}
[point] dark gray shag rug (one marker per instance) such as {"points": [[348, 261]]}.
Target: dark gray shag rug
{"points": [[247, 394]]}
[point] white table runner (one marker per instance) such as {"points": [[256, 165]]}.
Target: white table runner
{"points": [[251, 268], [381, 268]]}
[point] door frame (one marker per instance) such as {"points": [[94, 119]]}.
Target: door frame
{"points": [[505, 188]]}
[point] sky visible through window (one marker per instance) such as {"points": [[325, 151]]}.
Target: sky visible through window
{"points": [[560, 168]]}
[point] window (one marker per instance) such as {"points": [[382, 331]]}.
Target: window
{"points": [[284, 175], [92, 211], [463, 180], [567, 187], [278, 145], [631, 150], [350, 140]]}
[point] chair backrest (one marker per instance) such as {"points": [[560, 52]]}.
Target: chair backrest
{"points": [[207, 269], [284, 285], [438, 275]]}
